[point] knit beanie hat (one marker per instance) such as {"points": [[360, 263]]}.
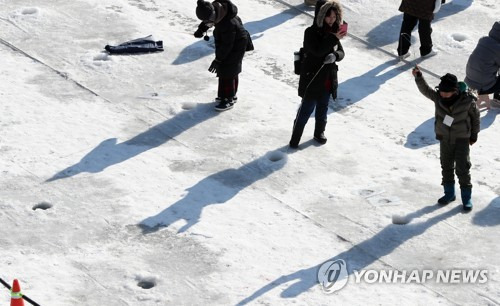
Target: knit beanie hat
{"points": [[448, 83], [204, 10]]}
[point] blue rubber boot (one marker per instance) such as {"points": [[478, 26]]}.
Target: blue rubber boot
{"points": [[466, 197], [449, 193]]}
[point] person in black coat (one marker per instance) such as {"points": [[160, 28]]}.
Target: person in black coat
{"points": [[421, 12], [318, 76], [231, 42]]}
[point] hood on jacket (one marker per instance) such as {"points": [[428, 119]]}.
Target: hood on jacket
{"points": [[322, 7], [495, 31], [225, 8]]}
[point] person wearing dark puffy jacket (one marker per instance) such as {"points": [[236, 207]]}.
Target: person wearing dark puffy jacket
{"points": [[483, 67], [231, 42], [318, 76], [421, 12], [457, 124]]}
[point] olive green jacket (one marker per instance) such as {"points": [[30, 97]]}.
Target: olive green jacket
{"points": [[466, 120]]}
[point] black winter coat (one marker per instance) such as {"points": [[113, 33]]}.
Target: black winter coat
{"points": [[317, 45], [423, 9], [231, 41]]}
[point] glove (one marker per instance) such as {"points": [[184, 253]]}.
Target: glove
{"points": [[198, 33], [330, 59], [472, 139], [214, 66]]}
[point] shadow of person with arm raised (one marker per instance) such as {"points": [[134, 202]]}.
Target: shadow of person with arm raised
{"points": [[109, 153], [489, 216], [217, 188], [422, 136], [371, 80], [358, 256]]}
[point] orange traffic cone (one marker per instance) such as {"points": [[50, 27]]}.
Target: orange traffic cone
{"points": [[16, 297]]}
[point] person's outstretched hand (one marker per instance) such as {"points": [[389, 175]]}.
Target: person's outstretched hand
{"points": [[416, 71]]}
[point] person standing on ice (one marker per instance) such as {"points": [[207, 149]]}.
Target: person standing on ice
{"points": [[421, 12], [483, 67], [456, 126], [318, 73], [231, 42]]}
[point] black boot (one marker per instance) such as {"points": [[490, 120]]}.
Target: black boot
{"points": [[296, 134], [449, 193], [466, 193], [319, 130]]}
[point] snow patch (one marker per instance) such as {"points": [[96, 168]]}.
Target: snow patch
{"points": [[189, 105], [103, 56], [398, 219]]}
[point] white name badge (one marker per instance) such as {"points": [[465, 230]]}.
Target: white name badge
{"points": [[448, 120]]}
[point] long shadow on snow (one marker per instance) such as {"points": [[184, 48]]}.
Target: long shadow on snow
{"points": [[488, 119], [387, 32], [109, 153], [359, 256], [371, 82], [202, 48], [424, 134], [217, 188], [489, 216]]}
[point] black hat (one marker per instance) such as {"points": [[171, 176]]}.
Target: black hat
{"points": [[449, 83], [205, 10]]}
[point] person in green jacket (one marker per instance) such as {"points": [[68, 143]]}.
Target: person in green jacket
{"points": [[456, 126]]}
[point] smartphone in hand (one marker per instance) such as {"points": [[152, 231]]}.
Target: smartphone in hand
{"points": [[343, 27]]}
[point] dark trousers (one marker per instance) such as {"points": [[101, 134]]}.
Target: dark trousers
{"points": [[228, 87], [455, 158], [494, 90], [424, 32], [307, 107]]}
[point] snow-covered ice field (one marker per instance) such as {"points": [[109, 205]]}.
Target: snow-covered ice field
{"points": [[117, 173]]}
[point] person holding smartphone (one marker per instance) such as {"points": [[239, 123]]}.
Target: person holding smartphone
{"points": [[318, 75]]}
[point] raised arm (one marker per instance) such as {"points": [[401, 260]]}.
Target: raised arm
{"points": [[423, 87]]}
